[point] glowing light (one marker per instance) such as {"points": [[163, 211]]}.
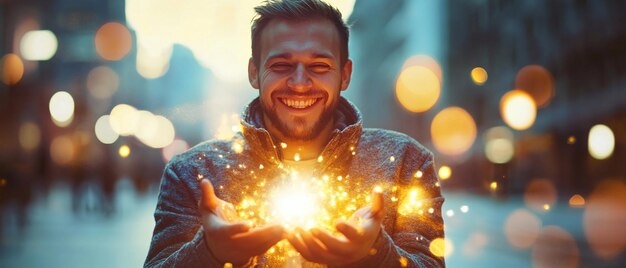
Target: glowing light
{"points": [[499, 147], [283, 145], [102, 82], [404, 262], [601, 142], [296, 157], [320, 159], [464, 208], [522, 228], [62, 150], [155, 131], [441, 247], [411, 203], [225, 130], [124, 151], [518, 109], [62, 108], [537, 82], [493, 186], [604, 219], [294, 204], [546, 207], [237, 147], [418, 89], [450, 213], [576, 201], [479, 76], [153, 61], [424, 61], [176, 147], [571, 140], [12, 69], [555, 247], [453, 131], [445, 172], [419, 174], [539, 193], [104, 131], [113, 41], [40, 45], [392, 158], [124, 119], [29, 136]]}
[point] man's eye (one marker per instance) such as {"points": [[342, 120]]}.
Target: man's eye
{"points": [[320, 68], [280, 67]]}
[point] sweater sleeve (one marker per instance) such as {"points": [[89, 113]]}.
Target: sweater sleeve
{"points": [[178, 239], [417, 222]]}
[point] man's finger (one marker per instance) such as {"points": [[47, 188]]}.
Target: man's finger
{"points": [[349, 231], [378, 203], [255, 237], [209, 199], [297, 243], [334, 244], [318, 251]]}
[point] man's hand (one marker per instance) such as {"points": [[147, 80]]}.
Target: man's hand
{"points": [[359, 234], [229, 239]]}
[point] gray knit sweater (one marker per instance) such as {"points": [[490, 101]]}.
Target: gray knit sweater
{"points": [[380, 157]]}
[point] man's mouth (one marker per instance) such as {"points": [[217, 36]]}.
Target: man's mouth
{"points": [[300, 103]]}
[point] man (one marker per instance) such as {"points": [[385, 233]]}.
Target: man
{"points": [[300, 65]]}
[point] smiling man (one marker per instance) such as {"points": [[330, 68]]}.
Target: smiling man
{"points": [[300, 65]]}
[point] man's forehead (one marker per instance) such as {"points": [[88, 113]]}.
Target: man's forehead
{"points": [[317, 37]]}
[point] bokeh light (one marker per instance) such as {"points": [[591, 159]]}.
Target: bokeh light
{"points": [[124, 119], [537, 82], [40, 45], [453, 131], [601, 142], [154, 130], [113, 41], [104, 131], [29, 136], [522, 228], [604, 219], [62, 150], [518, 109], [475, 244], [418, 89], [425, 61], [576, 201], [12, 69], [124, 151], [479, 76], [445, 172], [102, 82], [555, 247], [62, 108], [499, 148], [540, 194], [178, 146], [441, 247]]}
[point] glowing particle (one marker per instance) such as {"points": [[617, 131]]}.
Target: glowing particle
{"points": [[228, 265], [450, 213], [392, 158], [227, 166], [283, 145], [445, 172], [437, 184], [339, 178], [479, 76], [403, 262], [577, 201], [200, 176], [419, 174], [493, 185], [441, 247], [296, 157], [220, 156], [546, 207], [353, 153], [261, 166], [320, 159], [464, 208], [124, 151], [237, 147], [372, 251], [571, 140], [394, 199], [431, 210], [378, 189]]}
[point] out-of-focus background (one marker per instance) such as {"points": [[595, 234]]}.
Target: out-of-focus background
{"points": [[522, 102]]}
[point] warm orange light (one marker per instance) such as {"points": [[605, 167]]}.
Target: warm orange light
{"points": [[479, 76], [453, 131], [62, 150], [555, 247], [12, 69], [441, 247], [522, 228], [113, 41], [124, 151], [418, 88], [577, 201], [538, 82], [445, 172], [518, 109], [604, 219]]}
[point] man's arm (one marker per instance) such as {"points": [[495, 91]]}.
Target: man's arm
{"points": [[178, 238]]}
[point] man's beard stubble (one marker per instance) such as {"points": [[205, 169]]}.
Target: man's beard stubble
{"points": [[298, 130]]}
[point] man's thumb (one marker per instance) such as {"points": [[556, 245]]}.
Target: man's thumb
{"points": [[378, 203], [209, 199]]}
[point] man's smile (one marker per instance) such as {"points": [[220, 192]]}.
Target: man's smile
{"points": [[299, 103]]}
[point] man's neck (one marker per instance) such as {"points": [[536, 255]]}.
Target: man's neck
{"points": [[298, 149]]}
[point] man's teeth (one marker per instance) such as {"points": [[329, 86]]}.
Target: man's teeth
{"points": [[298, 104]]}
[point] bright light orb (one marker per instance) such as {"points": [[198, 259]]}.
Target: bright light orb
{"points": [[453, 131], [479, 76], [38, 45], [104, 131], [499, 147], [537, 82], [113, 41], [294, 205], [418, 88], [601, 142], [11, 68], [445, 172], [62, 108], [124, 151], [518, 109], [124, 119]]}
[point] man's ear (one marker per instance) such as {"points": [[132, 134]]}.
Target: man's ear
{"points": [[346, 74], [253, 74]]}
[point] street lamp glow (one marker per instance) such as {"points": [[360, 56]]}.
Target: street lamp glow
{"points": [[38, 45], [601, 142], [61, 108], [518, 109]]}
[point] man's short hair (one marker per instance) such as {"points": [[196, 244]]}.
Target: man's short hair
{"points": [[297, 10]]}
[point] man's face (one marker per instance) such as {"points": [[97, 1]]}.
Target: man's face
{"points": [[299, 76]]}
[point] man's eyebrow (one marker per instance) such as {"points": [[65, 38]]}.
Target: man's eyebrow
{"points": [[315, 55]]}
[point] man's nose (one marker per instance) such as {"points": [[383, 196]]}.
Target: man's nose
{"points": [[300, 80]]}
